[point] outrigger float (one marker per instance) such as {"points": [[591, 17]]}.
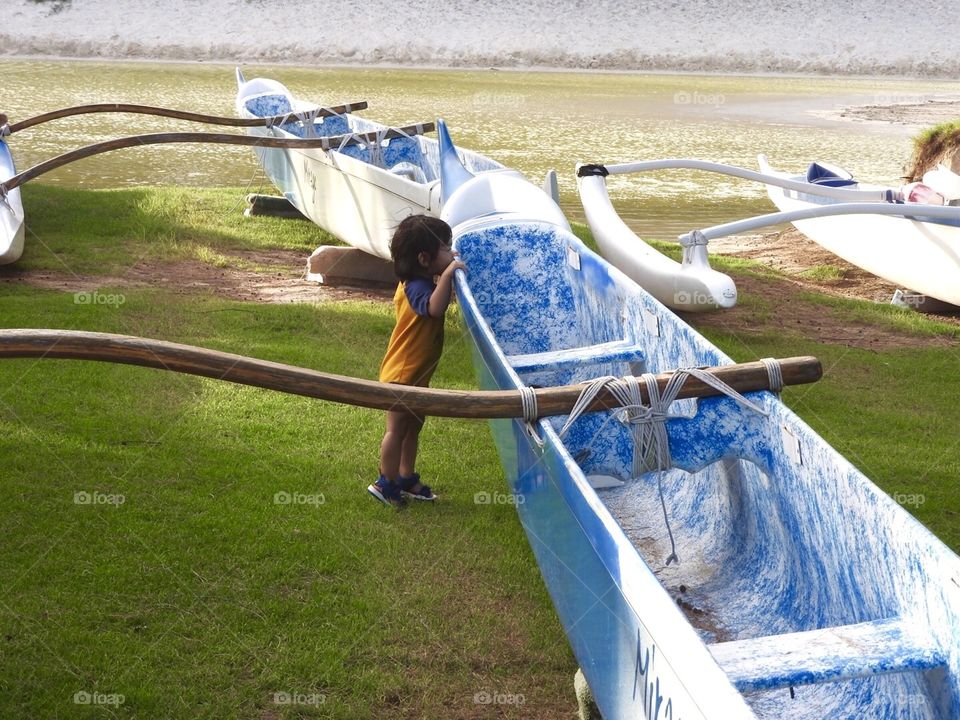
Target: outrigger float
{"points": [[915, 245]]}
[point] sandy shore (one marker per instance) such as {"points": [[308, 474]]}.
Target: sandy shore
{"points": [[921, 113]]}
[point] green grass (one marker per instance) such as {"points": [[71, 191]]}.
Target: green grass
{"points": [[823, 273], [201, 596], [104, 232]]}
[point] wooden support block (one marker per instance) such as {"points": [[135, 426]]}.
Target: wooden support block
{"points": [[335, 265]]}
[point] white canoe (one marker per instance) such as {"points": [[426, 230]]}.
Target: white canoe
{"points": [[11, 212], [691, 285], [920, 254], [361, 192]]}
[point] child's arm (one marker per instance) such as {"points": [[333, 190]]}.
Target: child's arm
{"points": [[440, 298]]}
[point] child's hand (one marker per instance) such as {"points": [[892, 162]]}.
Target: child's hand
{"points": [[455, 264]]}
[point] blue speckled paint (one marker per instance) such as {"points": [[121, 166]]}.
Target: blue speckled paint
{"points": [[777, 533]]}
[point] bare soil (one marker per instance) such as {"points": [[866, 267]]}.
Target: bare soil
{"points": [[922, 112], [282, 279], [785, 307], [780, 303]]}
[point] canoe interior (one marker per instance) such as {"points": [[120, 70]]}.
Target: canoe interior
{"points": [[415, 158], [776, 532]]}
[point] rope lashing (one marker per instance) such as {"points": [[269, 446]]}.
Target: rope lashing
{"points": [[648, 423], [376, 150], [693, 239], [774, 373], [528, 402], [5, 130]]}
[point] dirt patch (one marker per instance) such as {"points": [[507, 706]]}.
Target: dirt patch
{"points": [[279, 277], [803, 266], [922, 112]]}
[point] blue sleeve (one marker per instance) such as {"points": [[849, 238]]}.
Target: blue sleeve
{"points": [[418, 293]]}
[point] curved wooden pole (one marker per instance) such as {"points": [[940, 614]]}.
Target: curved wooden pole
{"points": [[171, 113], [130, 350], [323, 143]]}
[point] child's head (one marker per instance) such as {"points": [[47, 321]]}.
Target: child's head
{"points": [[416, 243]]}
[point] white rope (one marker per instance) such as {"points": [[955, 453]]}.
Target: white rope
{"points": [[345, 141], [308, 119], [376, 150], [647, 423], [774, 374], [528, 401], [5, 130]]}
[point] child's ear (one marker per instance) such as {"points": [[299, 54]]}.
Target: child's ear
{"points": [[423, 258]]}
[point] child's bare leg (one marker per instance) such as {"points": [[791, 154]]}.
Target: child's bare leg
{"points": [[391, 449], [408, 449]]}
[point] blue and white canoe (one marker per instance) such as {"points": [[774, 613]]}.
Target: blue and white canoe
{"points": [[11, 212], [802, 590], [358, 192]]}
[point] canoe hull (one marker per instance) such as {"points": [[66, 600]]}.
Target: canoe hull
{"points": [[11, 212], [778, 535], [914, 255], [634, 666]]}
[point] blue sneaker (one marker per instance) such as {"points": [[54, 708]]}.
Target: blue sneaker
{"points": [[386, 492], [423, 493]]}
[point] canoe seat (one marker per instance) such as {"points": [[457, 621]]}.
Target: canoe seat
{"points": [[834, 653], [615, 351]]}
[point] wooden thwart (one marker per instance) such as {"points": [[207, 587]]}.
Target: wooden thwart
{"points": [[177, 114], [322, 143], [130, 350]]}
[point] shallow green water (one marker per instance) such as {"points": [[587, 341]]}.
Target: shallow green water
{"points": [[530, 121]]}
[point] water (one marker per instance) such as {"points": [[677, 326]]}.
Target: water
{"points": [[532, 121], [852, 37]]}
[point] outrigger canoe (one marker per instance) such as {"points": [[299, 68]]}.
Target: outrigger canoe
{"points": [[11, 212], [690, 285], [919, 253], [735, 567], [357, 192]]}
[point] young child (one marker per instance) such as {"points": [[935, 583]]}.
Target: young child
{"points": [[421, 251]]}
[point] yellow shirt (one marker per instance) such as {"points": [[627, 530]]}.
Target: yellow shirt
{"points": [[417, 340]]}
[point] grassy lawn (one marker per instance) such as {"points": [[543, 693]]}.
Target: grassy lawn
{"points": [[208, 550]]}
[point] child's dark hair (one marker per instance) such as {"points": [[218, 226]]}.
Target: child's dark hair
{"points": [[417, 234]]}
